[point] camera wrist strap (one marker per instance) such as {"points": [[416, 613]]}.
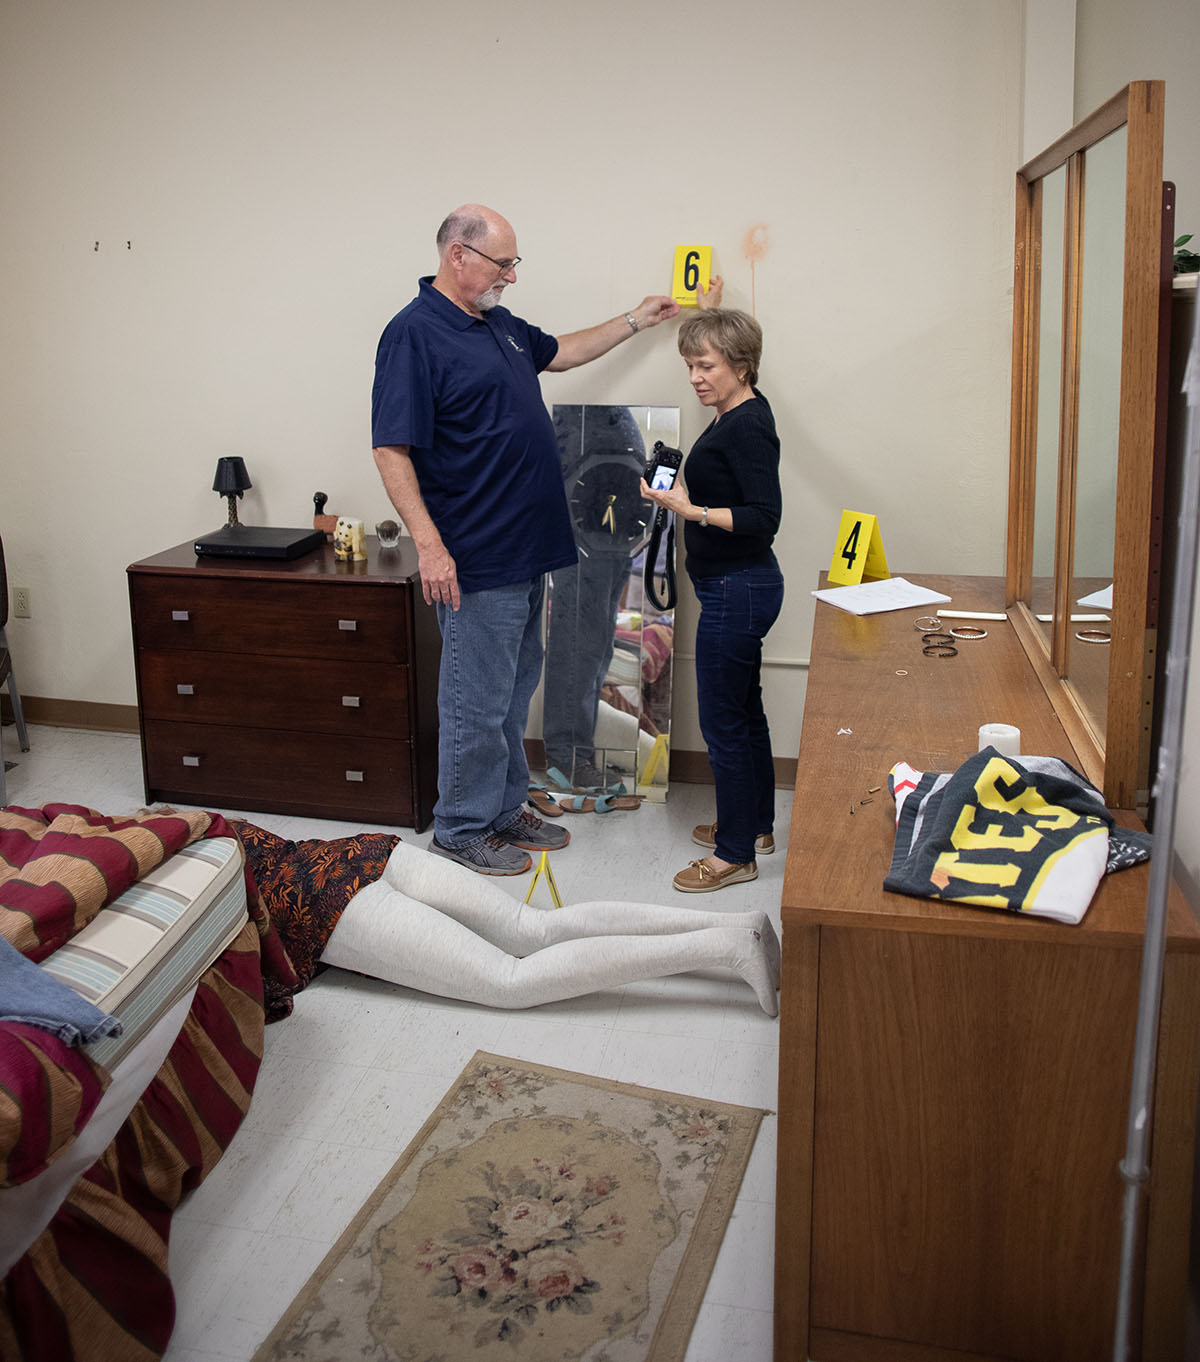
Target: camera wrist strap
{"points": [[663, 517]]}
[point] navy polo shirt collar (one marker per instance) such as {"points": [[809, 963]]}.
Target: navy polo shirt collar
{"points": [[448, 310]]}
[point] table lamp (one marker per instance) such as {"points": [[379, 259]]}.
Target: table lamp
{"points": [[231, 481]]}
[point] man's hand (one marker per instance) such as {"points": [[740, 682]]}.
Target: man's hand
{"points": [[657, 308], [439, 576]]}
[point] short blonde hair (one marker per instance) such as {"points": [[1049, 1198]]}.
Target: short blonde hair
{"points": [[734, 335]]}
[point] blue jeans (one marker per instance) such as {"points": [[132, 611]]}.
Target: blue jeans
{"points": [[579, 649], [491, 662], [736, 611]]}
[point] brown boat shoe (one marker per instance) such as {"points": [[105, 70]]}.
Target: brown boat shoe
{"points": [[705, 835], [701, 878]]}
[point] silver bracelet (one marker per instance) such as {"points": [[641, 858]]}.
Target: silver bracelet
{"points": [[704, 515], [632, 320]]}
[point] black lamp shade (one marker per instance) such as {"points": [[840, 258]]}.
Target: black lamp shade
{"points": [[232, 478]]}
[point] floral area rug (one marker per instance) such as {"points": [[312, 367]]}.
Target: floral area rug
{"points": [[538, 1216]]}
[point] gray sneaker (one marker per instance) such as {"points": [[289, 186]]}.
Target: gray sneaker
{"points": [[490, 856], [532, 833]]}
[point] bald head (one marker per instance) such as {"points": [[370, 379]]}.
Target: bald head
{"points": [[477, 258], [470, 224]]}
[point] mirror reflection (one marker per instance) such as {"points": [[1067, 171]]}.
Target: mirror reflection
{"points": [[1101, 291], [606, 705], [1104, 334], [1052, 229]]}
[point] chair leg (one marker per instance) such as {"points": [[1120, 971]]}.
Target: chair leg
{"points": [[18, 713], [3, 789], [14, 694]]}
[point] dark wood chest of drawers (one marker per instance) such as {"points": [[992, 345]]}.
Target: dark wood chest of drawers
{"points": [[305, 687]]}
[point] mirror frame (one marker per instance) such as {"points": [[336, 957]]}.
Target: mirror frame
{"points": [[1115, 759]]}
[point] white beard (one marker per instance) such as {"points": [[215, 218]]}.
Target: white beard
{"points": [[486, 301]]}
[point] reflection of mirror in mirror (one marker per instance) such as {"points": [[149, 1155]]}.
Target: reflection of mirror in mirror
{"points": [[1101, 291], [607, 692], [1049, 391]]}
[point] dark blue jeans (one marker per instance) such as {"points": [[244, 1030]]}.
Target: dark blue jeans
{"points": [[736, 611], [579, 648]]}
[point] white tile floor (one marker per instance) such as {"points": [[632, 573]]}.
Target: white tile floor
{"points": [[349, 1078]]}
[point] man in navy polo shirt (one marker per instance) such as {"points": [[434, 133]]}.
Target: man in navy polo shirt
{"points": [[469, 458]]}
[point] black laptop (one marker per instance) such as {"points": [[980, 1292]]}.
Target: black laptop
{"points": [[258, 541]]}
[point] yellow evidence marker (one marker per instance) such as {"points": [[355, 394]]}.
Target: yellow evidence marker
{"points": [[858, 554], [693, 271]]}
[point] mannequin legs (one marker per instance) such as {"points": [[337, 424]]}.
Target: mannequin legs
{"points": [[435, 926]]}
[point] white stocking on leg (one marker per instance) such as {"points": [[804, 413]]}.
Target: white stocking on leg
{"points": [[519, 929], [386, 934]]}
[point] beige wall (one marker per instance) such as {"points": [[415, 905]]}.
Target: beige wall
{"points": [[279, 170]]}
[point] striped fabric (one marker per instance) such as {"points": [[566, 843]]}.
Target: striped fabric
{"points": [[153, 941], [61, 864], [94, 1286]]}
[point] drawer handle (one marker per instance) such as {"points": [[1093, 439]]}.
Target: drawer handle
{"points": [[184, 689], [349, 626], [350, 701], [181, 615], [354, 775], [191, 761]]}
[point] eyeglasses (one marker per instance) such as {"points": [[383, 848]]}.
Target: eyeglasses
{"points": [[502, 265]]}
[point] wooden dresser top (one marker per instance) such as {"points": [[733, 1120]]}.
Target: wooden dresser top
{"points": [[874, 699]]}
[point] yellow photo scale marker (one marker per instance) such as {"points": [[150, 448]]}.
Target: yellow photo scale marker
{"points": [[693, 271], [858, 554], [658, 754], [543, 867]]}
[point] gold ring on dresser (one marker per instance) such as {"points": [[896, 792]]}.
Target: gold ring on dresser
{"points": [[1093, 635], [969, 631]]}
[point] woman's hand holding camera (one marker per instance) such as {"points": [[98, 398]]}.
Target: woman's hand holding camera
{"points": [[674, 499]]}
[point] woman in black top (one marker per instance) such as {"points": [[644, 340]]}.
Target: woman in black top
{"points": [[732, 507]]}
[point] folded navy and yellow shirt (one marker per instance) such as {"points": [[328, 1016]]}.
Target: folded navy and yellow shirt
{"points": [[1024, 834]]}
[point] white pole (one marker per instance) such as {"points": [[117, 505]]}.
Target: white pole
{"points": [[1135, 1171]]}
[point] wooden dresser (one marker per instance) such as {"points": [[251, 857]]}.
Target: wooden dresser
{"points": [[954, 1081], [305, 687]]}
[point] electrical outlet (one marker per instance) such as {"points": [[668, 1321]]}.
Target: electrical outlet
{"points": [[21, 602]]}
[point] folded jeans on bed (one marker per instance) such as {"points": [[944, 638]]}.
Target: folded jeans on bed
{"points": [[32, 995]]}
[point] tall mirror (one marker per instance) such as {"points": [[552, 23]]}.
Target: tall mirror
{"points": [[606, 701], [1052, 205], [1092, 275]]}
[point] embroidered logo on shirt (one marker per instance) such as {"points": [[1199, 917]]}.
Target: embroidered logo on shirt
{"points": [[514, 345]]}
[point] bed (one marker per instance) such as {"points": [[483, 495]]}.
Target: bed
{"points": [[158, 919]]}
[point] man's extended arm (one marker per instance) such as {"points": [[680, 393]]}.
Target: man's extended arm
{"points": [[580, 347], [439, 575]]}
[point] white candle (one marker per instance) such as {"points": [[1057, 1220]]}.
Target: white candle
{"points": [[1003, 737]]}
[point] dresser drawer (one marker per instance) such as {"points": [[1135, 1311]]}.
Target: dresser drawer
{"points": [[363, 699], [306, 619], [318, 774]]}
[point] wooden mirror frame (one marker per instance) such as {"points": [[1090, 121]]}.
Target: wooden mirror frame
{"points": [[1115, 759]]}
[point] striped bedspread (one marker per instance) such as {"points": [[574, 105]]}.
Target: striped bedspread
{"points": [[94, 1286]]}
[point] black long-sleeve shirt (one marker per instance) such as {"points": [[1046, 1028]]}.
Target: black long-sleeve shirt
{"points": [[735, 463]]}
